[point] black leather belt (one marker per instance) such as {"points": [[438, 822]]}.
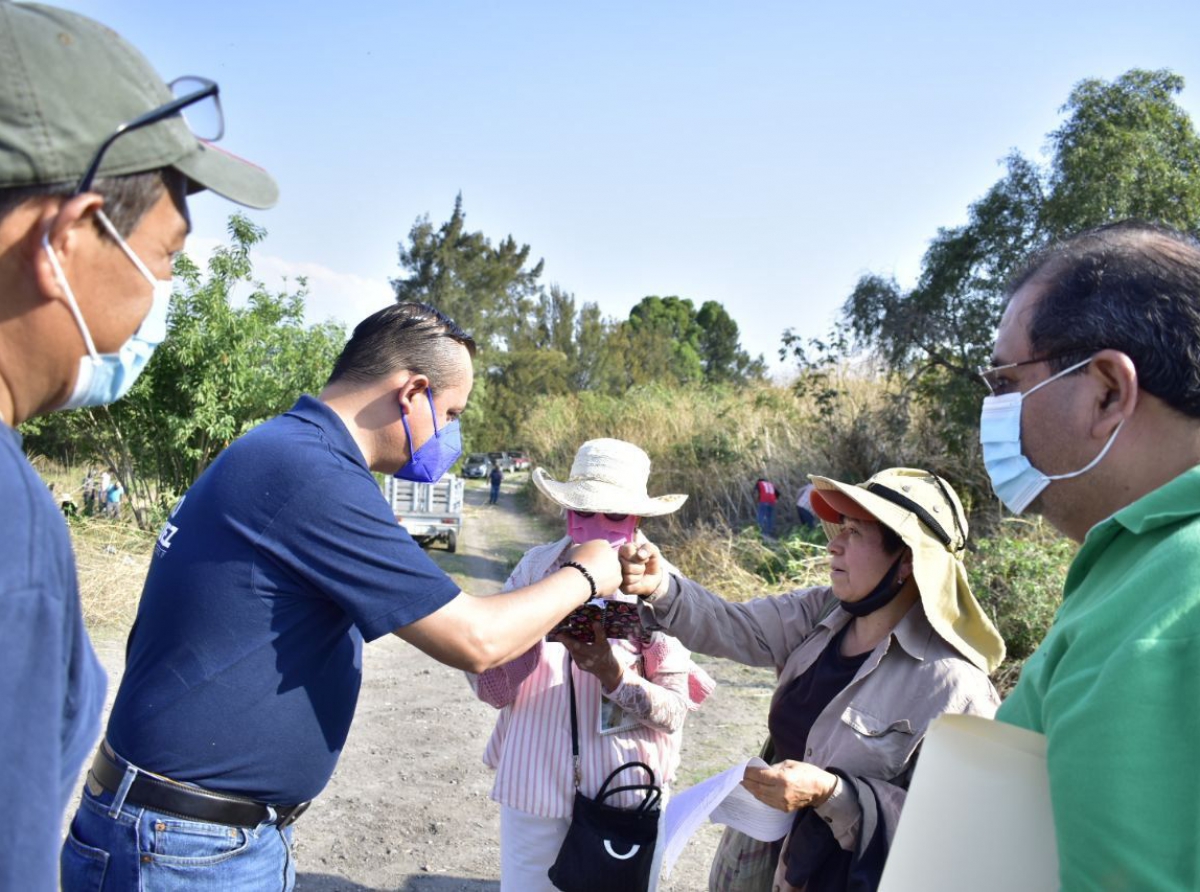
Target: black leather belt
{"points": [[159, 793]]}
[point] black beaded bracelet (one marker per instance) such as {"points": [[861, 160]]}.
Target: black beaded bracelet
{"points": [[586, 575]]}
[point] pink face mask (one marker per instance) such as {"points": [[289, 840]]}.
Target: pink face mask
{"points": [[585, 527]]}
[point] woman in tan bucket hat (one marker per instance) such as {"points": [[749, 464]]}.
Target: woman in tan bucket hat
{"points": [[865, 664], [632, 694]]}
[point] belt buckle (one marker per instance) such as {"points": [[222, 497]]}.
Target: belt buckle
{"points": [[293, 814]]}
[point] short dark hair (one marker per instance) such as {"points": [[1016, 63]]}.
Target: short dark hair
{"points": [[408, 335], [126, 198], [1131, 286]]}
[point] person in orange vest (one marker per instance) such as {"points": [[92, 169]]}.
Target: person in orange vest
{"points": [[766, 496]]}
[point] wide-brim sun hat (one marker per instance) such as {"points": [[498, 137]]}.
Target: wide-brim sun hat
{"points": [[68, 82], [925, 512], [608, 476]]}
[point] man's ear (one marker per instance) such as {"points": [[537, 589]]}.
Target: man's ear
{"points": [[413, 386], [64, 225], [906, 564], [1116, 391]]}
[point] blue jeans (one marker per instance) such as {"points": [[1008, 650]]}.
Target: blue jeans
{"points": [[114, 846], [495, 494], [766, 519]]}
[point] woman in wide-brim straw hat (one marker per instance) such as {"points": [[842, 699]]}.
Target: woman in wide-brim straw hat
{"points": [[651, 679], [865, 664]]}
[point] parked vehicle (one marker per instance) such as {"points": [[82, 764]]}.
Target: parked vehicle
{"points": [[502, 459], [431, 512], [477, 464], [520, 460]]}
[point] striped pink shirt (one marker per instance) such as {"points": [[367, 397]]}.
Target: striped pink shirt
{"points": [[530, 748]]}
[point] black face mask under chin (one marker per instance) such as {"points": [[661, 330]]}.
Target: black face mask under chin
{"points": [[881, 595]]}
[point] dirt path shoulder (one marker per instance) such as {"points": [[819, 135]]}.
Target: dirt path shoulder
{"points": [[408, 807]]}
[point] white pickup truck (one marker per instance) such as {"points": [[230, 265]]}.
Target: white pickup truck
{"points": [[431, 512]]}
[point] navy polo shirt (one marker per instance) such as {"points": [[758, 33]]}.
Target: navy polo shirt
{"points": [[51, 684], [244, 664]]}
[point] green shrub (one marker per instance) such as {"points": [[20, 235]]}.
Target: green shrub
{"points": [[1017, 574], [798, 560]]}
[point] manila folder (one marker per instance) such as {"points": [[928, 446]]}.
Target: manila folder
{"points": [[977, 815]]}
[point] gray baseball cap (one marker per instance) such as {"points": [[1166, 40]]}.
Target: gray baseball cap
{"points": [[68, 82]]}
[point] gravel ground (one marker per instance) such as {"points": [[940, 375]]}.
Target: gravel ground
{"points": [[408, 807]]}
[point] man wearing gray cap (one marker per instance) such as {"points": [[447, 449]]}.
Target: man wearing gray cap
{"points": [[97, 156]]}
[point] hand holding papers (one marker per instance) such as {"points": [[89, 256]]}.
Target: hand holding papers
{"points": [[722, 799]]}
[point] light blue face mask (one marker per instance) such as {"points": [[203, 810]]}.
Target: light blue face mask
{"points": [[1014, 479], [436, 455], [104, 378]]}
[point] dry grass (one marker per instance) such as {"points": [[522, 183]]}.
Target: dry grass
{"points": [[740, 566], [713, 443], [112, 558]]}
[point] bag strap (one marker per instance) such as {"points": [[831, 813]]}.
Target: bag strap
{"points": [[653, 791], [576, 762]]}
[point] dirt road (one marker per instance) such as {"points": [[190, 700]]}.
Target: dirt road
{"points": [[408, 807]]}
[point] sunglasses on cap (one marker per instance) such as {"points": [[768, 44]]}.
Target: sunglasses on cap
{"points": [[615, 518], [197, 100]]}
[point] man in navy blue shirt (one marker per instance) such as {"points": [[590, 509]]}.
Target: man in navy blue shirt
{"points": [[245, 660], [95, 164]]}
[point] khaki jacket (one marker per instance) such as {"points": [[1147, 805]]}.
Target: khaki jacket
{"points": [[875, 726]]}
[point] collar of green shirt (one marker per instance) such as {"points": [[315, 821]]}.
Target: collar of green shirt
{"points": [[1173, 502]]}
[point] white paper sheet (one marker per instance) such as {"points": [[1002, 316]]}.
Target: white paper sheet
{"points": [[724, 800], [978, 813]]}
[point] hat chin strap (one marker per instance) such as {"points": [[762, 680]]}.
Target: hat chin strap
{"points": [[880, 596]]}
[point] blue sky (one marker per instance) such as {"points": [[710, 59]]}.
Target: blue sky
{"points": [[761, 154]]}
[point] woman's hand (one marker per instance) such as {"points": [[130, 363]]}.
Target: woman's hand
{"points": [[789, 785], [641, 569], [597, 658]]}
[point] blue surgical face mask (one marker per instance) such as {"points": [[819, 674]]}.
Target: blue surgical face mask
{"points": [[106, 377], [1014, 479], [436, 455]]}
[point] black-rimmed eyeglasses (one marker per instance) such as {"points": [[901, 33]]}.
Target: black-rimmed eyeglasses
{"points": [[998, 386], [204, 118]]}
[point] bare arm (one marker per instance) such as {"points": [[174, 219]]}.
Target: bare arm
{"points": [[477, 634]]}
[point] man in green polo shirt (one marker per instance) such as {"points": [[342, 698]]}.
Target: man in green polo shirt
{"points": [[1094, 423]]}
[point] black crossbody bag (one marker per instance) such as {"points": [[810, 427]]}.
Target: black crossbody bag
{"points": [[606, 847]]}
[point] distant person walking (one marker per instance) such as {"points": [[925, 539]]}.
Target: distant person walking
{"points": [[804, 507], [112, 500], [495, 478], [89, 490], [766, 496]]}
